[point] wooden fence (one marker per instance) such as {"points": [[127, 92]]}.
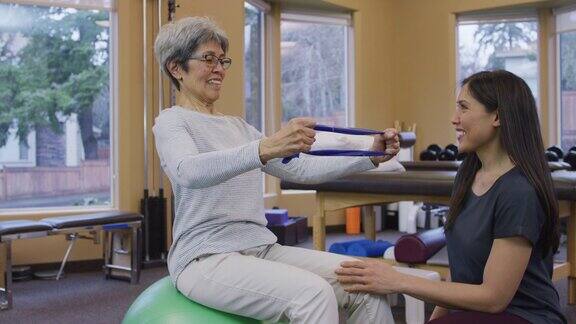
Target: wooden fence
{"points": [[21, 182]]}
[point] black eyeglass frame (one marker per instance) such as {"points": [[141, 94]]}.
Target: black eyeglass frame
{"points": [[211, 60]]}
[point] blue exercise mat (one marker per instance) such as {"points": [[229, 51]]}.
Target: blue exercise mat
{"points": [[342, 247], [372, 249]]}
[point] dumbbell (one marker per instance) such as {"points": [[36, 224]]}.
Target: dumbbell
{"points": [[449, 153], [570, 158], [461, 156], [554, 154], [431, 153]]}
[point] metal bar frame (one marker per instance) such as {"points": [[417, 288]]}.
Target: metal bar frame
{"points": [[135, 231], [6, 302]]}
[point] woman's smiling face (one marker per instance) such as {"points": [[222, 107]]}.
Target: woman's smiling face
{"points": [[475, 127], [202, 80]]}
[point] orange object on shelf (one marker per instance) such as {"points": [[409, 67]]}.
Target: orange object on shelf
{"points": [[353, 216]]}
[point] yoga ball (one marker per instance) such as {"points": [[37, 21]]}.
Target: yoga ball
{"points": [[162, 303]]}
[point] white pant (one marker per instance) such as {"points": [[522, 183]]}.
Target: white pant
{"points": [[279, 283]]}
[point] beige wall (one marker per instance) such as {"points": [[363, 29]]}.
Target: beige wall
{"points": [[373, 34], [229, 14]]}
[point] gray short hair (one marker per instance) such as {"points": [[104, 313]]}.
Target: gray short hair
{"points": [[178, 41]]}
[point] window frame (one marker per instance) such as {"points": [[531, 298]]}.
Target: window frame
{"points": [[264, 12], [290, 196], [266, 95], [110, 6], [501, 16], [556, 74], [319, 17]]}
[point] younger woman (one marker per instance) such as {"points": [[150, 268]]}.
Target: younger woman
{"points": [[502, 229]]}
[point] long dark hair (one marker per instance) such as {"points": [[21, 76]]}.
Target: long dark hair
{"points": [[520, 137]]}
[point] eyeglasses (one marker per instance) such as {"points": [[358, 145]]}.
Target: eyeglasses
{"points": [[212, 60]]}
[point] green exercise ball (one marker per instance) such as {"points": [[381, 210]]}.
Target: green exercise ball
{"points": [[161, 303]]}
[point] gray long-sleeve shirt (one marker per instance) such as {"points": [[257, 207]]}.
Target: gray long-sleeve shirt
{"points": [[214, 166]]}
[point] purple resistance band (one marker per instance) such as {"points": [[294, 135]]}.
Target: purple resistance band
{"points": [[340, 130]]}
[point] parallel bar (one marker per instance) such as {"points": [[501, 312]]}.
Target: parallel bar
{"points": [[117, 267], [73, 230], [135, 260], [7, 303], [106, 248]]}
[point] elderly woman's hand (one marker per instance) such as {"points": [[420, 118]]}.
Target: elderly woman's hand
{"points": [[296, 137], [370, 276], [387, 143]]}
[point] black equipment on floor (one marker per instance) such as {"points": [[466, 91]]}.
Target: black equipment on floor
{"points": [[154, 210]]}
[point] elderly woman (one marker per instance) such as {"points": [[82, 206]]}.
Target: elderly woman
{"points": [[223, 256]]}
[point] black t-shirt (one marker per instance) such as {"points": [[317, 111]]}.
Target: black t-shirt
{"points": [[509, 208]]}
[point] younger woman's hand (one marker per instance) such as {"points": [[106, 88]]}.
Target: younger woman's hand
{"points": [[369, 276]]}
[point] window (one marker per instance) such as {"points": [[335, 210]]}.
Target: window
{"points": [[254, 13], [316, 66], [55, 104], [566, 40], [24, 150], [499, 41]]}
